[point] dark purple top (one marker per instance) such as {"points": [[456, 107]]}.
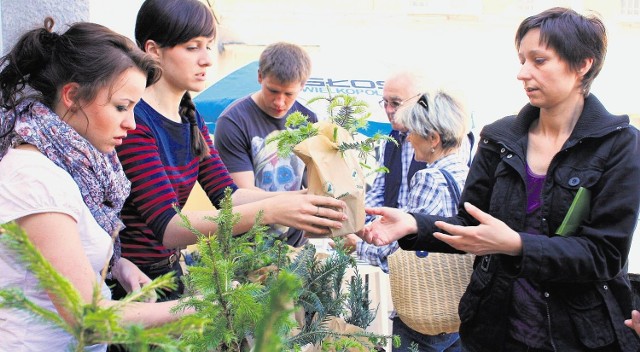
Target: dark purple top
{"points": [[528, 309]]}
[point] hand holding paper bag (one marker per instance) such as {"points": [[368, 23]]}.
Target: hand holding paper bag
{"points": [[333, 173]]}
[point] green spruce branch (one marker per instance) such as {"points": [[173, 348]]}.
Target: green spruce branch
{"points": [[358, 302], [90, 323], [224, 295], [273, 327], [241, 310], [345, 111]]}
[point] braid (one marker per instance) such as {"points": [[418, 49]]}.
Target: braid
{"points": [[198, 144]]}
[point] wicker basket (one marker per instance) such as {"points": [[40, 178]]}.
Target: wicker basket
{"points": [[426, 291]]}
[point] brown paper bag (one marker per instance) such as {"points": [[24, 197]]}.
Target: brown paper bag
{"points": [[335, 174]]}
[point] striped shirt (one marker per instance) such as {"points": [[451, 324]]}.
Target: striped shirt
{"points": [[162, 168]]}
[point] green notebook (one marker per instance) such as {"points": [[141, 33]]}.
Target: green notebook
{"points": [[578, 211]]}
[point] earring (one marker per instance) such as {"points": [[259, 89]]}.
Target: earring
{"points": [[433, 150]]}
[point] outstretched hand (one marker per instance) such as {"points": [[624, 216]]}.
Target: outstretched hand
{"points": [[489, 237], [634, 322], [391, 225]]}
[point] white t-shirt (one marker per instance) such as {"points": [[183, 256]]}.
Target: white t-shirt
{"points": [[30, 183]]}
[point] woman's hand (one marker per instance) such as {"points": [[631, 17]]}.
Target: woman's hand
{"points": [[634, 322], [311, 213], [130, 276], [489, 237], [391, 225]]}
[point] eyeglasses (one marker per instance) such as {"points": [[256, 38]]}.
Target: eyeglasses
{"points": [[424, 101], [395, 104]]}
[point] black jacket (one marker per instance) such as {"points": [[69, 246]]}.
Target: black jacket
{"points": [[583, 276]]}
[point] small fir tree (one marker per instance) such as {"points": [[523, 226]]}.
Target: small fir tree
{"points": [[345, 111], [235, 307], [260, 310], [91, 323]]}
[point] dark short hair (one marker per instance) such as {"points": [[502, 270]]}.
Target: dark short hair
{"points": [[173, 22], [573, 36]]}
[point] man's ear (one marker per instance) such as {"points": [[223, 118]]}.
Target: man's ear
{"points": [[69, 96]]}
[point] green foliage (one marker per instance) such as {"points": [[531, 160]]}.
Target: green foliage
{"points": [[358, 302], [321, 296], [345, 111], [298, 129], [239, 309], [343, 344], [272, 328], [224, 296], [231, 310], [90, 323]]}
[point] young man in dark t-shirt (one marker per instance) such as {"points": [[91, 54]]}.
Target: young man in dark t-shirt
{"points": [[244, 126]]}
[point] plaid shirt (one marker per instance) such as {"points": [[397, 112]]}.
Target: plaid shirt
{"points": [[375, 196], [429, 194]]}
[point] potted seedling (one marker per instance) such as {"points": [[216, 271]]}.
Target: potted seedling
{"points": [[334, 154]]}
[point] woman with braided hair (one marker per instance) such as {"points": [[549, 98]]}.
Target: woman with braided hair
{"points": [[171, 149]]}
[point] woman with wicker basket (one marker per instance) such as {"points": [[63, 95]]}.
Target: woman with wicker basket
{"points": [[538, 285], [437, 127]]}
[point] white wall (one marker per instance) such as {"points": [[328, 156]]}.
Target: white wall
{"points": [[17, 16], [21, 15], [119, 15]]}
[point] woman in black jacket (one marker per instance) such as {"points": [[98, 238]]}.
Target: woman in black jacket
{"points": [[535, 288]]}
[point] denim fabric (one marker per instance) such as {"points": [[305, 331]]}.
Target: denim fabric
{"points": [[426, 343]]}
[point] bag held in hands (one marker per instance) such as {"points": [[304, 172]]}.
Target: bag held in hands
{"points": [[426, 291], [335, 174]]}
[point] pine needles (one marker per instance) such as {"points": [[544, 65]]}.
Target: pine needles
{"points": [[343, 110], [248, 288], [245, 290], [90, 323]]}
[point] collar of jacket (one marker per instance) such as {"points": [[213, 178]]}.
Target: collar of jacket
{"points": [[595, 121]]}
